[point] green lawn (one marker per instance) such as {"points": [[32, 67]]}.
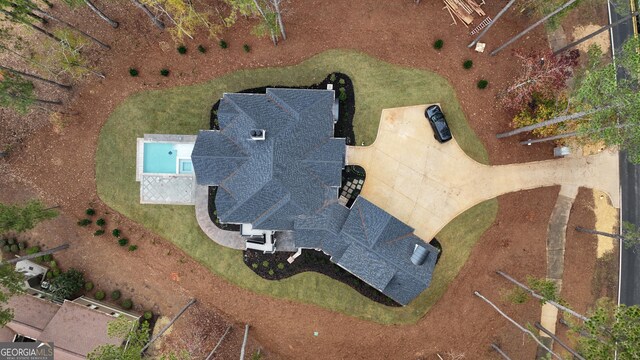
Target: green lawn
{"points": [[185, 110]]}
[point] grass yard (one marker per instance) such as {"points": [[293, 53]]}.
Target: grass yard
{"points": [[185, 110]]}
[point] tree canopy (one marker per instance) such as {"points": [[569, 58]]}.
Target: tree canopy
{"points": [[22, 218], [66, 284], [122, 328], [11, 283], [16, 92]]}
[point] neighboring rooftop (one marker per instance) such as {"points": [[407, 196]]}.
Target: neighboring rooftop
{"points": [[373, 245], [274, 157]]}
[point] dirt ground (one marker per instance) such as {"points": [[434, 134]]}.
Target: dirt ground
{"points": [[59, 168]]}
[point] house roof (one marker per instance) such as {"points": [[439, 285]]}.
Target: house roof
{"points": [[373, 245], [294, 171]]}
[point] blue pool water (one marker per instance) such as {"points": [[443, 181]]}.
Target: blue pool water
{"points": [[160, 158]]}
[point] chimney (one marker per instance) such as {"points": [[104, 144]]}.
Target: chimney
{"points": [[257, 134]]}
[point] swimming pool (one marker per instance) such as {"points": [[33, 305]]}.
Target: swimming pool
{"points": [[167, 158]]}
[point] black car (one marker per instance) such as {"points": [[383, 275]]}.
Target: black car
{"points": [[438, 123]]}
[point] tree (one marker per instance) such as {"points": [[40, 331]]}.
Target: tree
{"points": [[20, 219], [103, 16], [16, 93], [543, 73], [185, 18], [35, 77], [135, 339], [67, 55], [11, 283], [159, 24], [66, 284], [630, 235], [611, 330], [268, 11], [495, 19]]}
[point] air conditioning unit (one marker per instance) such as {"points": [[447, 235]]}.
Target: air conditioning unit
{"points": [[257, 134]]}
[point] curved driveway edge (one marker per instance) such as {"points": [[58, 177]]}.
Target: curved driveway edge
{"points": [[230, 239], [427, 184]]}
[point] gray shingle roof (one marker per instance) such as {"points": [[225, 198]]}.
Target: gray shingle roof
{"points": [[371, 244], [295, 171]]}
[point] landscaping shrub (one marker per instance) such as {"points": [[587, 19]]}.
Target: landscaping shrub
{"points": [[182, 49], [65, 285], [246, 48], [115, 233], [202, 49], [100, 295], [343, 94], [133, 247], [332, 77], [53, 264], [223, 44], [254, 265], [467, 64], [147, 315], [3, 242], [22, 245], [90, 212], [115, 294], [47, 257], [133, 72], [127, 304], [540, 109], [265, 263], [517, 296], [280, 266], [6, 248], [32, 250], [342, 82], [101, 222], [271, 272], [164, 72], [56, 272], [98, 232], [438, 44], [482, 84], [14, 248], [123, 241], [49, 275], [84, 222], [11, 241], [88, 286]]}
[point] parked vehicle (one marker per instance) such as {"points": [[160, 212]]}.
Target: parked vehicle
{"points": [[438, 123]]}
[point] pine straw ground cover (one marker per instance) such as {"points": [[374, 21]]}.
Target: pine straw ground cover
{"points": [[185, 110]]}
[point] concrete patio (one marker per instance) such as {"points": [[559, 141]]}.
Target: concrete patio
{"points": [[427, 184]]}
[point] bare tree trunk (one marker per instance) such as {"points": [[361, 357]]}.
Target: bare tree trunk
{"points": [[549, 138], [49, 16], [595, 232], [264, 16], [41, 253], [34, 27], [102, 15], [31, 76], [49, 4], [52, 102], [276, 5], [244, 341], [218, 343], [556, 339], [555, 120], [499, 351], [513, 39], [523, 329], [159, 24], [587, 37], [191, 302], [532, 293], [484, 31]]}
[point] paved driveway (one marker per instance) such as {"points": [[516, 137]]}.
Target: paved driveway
{"points": [[427, 184]]}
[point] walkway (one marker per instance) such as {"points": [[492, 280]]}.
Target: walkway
{"points": [[230, 239], [427, 184]]}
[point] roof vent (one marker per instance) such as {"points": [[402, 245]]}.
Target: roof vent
{"points": [[257, 134], [419, 255]]}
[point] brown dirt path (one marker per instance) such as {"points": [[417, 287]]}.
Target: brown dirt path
{"points": [[61, 169]]}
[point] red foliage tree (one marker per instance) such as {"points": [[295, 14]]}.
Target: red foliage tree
{"points": [[543, 73]]}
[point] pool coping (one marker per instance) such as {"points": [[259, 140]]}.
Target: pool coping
{"points": [[159, 138]]}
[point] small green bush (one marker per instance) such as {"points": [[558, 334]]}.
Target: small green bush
{"points": [[271, 272], [49, 275], [127, 304], [100, 295], [115, 294], [133, 72], [164, 72], [84, 222], [265, 263], [40, 259], [88, 286], [98, 232], [47, 257], [254, 265], [56, 272], [332, 77], [33, 250], [342, 96], [280, 266], [53, 264], [202, 49], [123, 241], [438, 44], [246, 48], [90, 212], [3, 242], [182, 49], [147, 315], [133, 247], [223, 44], [467, 64], [6, 248], [22, 245], [342, 81], [115, 233], [101, 222], [14, 248], [11, 241], [482, 84]]}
